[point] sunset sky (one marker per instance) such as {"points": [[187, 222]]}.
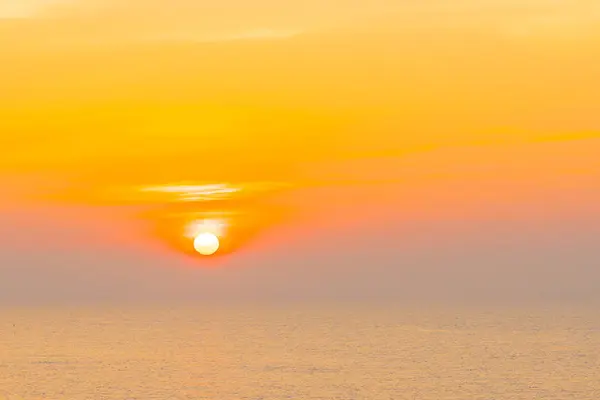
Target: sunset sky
{"points": [[431, 150]]}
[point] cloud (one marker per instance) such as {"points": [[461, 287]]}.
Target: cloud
{"points": [[93, 22], [52, 23], [19, 9], [191, 36], [257, 34]]}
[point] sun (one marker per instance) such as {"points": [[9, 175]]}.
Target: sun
{"points": [[206, 243]]}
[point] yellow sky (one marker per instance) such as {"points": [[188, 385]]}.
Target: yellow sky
{"points": [[96, 83]]}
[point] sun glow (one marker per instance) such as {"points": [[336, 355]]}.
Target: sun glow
{"points": [[215, 226], [206, 243]]}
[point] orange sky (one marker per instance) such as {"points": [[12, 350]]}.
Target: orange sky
{"points": [[89, 80], [464, 108]]}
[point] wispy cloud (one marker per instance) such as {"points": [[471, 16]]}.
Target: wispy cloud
{"points": [[256, 34], [575, 19], [110, 21], [22, 9], [103, 22], [191, 36]]}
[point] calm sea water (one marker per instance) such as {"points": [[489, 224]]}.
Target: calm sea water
{"points": [[299, 354]]}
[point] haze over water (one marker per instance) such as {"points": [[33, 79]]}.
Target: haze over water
{"points": [[343, 353]]}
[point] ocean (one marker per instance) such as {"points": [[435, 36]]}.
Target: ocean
{"points": [[264, 353]]}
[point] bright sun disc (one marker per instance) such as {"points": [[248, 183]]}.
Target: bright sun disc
{"points": [[206, 243]]}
